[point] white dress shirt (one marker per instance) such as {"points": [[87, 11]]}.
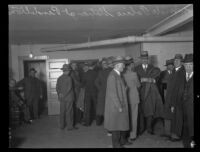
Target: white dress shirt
{"points": [[117, 72], [144, 66], [178, 68], [189, 75]]}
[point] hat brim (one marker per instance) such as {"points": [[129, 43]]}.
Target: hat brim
{"points": [[169, 64], [144, 57], [65, 69], [120, 61], [188, 61], [33, 71]]}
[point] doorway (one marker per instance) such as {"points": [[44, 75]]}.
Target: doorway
{"points": [[40, 67]]}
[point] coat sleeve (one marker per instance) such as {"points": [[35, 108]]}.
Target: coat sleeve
{"points": [[57, 86], [21, 83], [114, 91]]}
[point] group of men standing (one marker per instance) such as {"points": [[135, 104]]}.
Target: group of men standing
{"points": [[128, 98]]}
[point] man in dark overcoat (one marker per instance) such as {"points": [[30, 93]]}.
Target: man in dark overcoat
{"points": [[65, 91], [162, 83], [188, 104], [151, 105], [174, 95], [164, 78], [75, 75], [101, 83], [32, 92], [116, 106], [90, 100]]}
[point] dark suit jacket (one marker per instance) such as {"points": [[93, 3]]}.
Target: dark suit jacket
{"points": [[188, 107], [88, 81]]}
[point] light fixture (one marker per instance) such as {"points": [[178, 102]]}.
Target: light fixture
{"points": [[30, 50], [30, 55]]}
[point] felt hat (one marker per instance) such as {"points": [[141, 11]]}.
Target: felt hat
{"points": [[188, 58], [144, 55], [169, 62], [128, 60], [118, 59], [178, 56], [66, 67]]}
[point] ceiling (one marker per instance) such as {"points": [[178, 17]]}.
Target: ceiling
{"points": [[45, 24]]}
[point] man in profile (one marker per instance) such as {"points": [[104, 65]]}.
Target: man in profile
{"points": [[116, 106]]}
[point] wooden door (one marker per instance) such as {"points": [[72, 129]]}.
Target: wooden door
{"points": [[53, 72]]}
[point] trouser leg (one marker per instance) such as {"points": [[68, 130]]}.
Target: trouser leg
{"points": [[149, 123], [177, 122], [26, 113], [167, 126], [123, 137], [141, 120], [87, 111], [62, 114], [30, 107], [35, 108], [134, 111], [69, 115], [116, 139], [93, 106]]}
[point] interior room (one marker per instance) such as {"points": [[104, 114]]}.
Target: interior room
{"points": [[45, 37]]}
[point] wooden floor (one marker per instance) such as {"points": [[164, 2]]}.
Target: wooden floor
{"points": [[45, 133]]}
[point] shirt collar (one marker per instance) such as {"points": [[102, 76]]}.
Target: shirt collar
{"points": [[143, 65], [177, 68], [191, 74], [117, 72]]}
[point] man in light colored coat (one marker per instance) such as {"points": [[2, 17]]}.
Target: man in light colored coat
{"points": [[116, 106]]}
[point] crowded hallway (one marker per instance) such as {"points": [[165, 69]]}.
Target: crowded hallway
{"points": [[92, 83]]}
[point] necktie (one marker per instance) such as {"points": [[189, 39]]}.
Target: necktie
{"points": [[188, 76]]}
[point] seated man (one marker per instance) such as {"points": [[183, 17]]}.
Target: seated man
{"points": [[17, 107]]}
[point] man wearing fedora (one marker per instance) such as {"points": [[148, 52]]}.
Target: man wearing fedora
{"points": [[65, 91], [151, 105], [75, 75], [132, 82], [174, 94], [116, 106], [32, 92], [162, 83], [188, 103], [164, 77], [100, 84]]}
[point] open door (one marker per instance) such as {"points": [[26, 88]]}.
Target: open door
{"points": [[53, 72]]}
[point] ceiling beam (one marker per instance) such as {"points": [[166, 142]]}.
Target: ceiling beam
{"points": [[129, 39], [177, 19]]}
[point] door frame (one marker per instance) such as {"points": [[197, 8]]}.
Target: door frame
{"points": [[21, 60]]}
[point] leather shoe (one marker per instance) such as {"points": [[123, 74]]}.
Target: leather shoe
{"points": [[132, 139], [150, 132]]}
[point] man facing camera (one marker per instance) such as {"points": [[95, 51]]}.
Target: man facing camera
{"points": [[188, 103], [64, 88]]}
